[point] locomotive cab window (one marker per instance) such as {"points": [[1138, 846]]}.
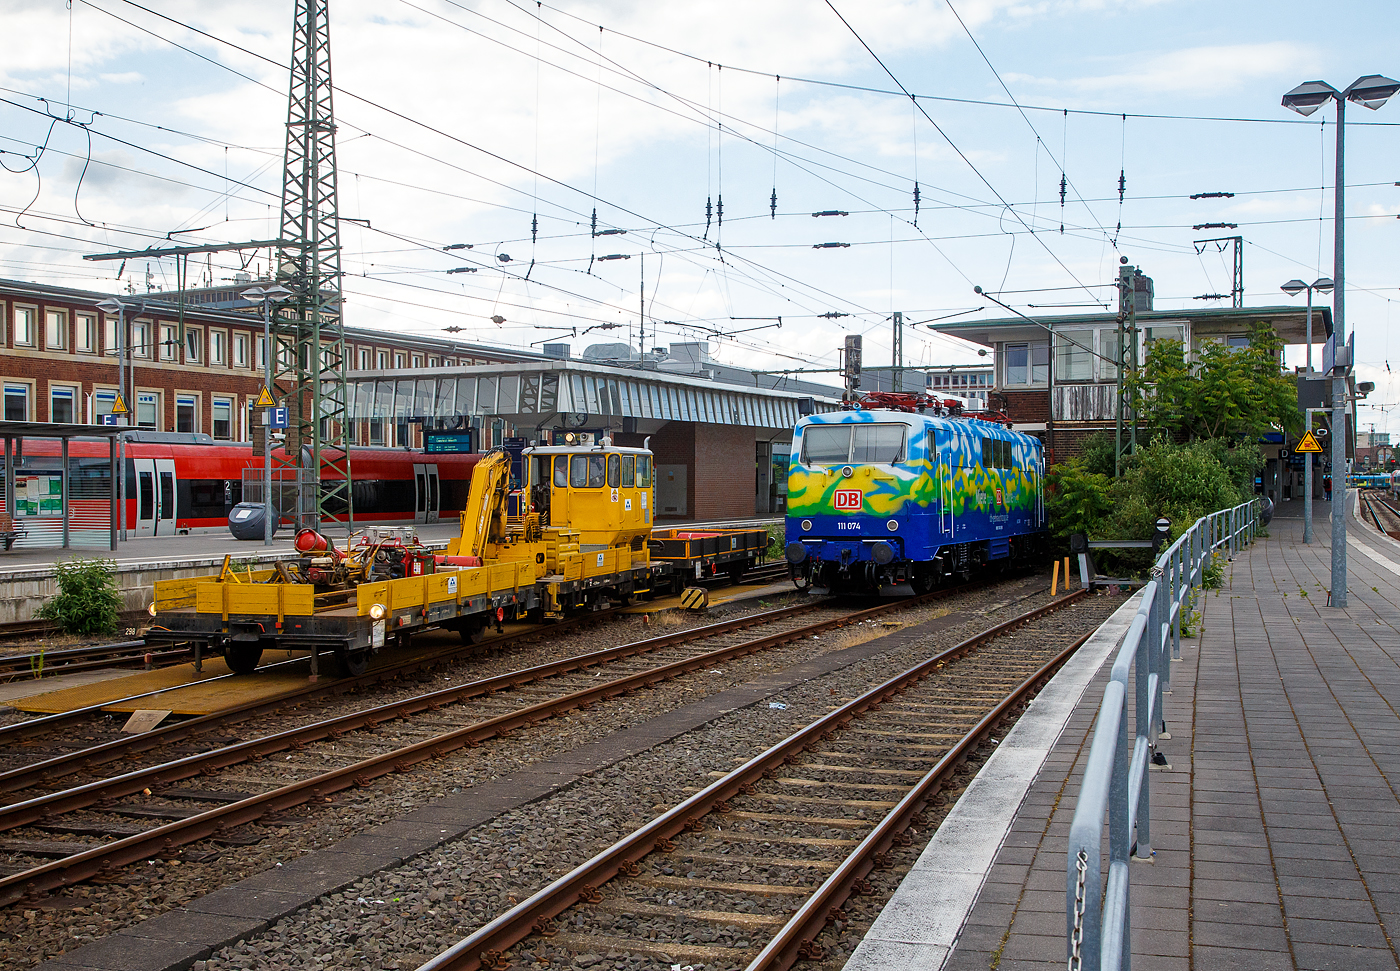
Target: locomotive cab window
{"points": [[881, 444], [586, 471], [561, 471], [629, 471], [614, 470], [643, 471]]}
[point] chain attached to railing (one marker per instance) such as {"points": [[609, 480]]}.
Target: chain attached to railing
{"points": [[1076, 937]]}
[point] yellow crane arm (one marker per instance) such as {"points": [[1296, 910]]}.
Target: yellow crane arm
{"points": [[485, 504]]}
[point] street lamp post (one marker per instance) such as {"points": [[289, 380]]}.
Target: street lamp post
{"points": [[114, 306], [266, 297], [1373, 90], [1293, 288]]}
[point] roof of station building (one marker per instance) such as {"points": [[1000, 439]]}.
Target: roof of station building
{"points": [[574, 394]]}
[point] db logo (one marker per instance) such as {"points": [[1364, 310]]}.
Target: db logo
{"points": [[848, 500], [1000, 500]]}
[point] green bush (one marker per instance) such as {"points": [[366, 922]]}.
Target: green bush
{"points": [[87, 601]]}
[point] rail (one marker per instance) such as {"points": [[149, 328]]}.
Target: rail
{"points": [[1116, 781]]}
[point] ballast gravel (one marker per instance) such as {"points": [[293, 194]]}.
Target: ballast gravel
{"points": [[400, 917]]}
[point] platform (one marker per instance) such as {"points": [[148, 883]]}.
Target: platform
{"points": [[1275, 824]]}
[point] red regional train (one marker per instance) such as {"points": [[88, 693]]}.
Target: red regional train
{"points": [[187, 483]]}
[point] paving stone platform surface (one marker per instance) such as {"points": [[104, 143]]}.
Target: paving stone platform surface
{"points": [[1276, 824]]}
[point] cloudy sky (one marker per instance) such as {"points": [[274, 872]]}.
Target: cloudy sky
{"points": [[465, 121]]}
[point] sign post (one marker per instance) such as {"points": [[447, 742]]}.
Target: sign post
{"points": [[266, 402], [1308, 447]]}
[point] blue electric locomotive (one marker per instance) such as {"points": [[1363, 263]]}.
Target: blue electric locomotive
{"points": [[896, 500]]}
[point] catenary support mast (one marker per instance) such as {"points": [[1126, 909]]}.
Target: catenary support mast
{"points": [[309, 333]]}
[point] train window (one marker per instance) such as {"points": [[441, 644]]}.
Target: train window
{"points": [[595, 471], [988, 459], [643, 471], [629, 470], [614, 470], [578, 471], [561, 471], [1008, 457], [826, 444], [883, 444]]}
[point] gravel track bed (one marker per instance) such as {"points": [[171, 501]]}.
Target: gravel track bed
{"points": [[471, 880]]}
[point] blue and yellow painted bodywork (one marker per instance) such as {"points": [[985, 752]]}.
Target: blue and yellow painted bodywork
{"points": [[960, 489]]}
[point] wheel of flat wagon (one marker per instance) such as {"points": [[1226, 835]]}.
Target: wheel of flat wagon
{"points": [[242, 658], [353, 663]]}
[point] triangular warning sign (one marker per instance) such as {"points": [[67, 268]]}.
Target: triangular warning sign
{"points": [[119, 406], [1308, 444], [265, 400]]}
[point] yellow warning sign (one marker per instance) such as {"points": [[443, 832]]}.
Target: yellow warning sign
{"points": [[1308, 444], [119, 406], [265, 400], [695, 598]]}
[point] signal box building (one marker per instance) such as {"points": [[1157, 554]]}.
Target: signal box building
{"points": [[1077, 397]]}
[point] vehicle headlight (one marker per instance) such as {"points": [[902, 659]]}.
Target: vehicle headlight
{"points": [[806, 525], [151, 608], [378, 611], [892, 525]]}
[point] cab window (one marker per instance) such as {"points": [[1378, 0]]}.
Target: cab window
{"points": [[578, 471], [629, 470], [561, 471], [643, 471], [614, 470]]}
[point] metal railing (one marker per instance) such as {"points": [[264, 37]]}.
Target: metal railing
{"points": [[1116, 780]]}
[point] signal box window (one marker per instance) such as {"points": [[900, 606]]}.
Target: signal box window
{"points": [[1027, 364]]}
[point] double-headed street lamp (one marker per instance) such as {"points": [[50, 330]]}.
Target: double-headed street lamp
{"points": [[267, 296], [1373, 90], [1293, 288]]}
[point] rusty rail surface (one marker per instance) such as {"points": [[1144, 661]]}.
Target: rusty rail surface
{"points": [[486, 947]]}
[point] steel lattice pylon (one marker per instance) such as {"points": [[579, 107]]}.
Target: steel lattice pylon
{"points": [[309, 334]]}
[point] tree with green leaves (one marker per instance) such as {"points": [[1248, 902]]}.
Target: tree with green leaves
{"points": [[1230, 393]]}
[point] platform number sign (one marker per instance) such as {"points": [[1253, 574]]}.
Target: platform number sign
{"points": [[848, 500]]}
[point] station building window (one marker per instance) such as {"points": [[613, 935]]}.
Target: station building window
{"points": [[148, 410], [16, 402], [194, 345], [103, 401], [240, 350], [222, 409], [111, 341], [218, 347], [399, 361], [24, 326], [364, 359], [56, 330], [62, 403], [383, 360], [186, 413], [169, 342], [85, 334], [140, 339]]}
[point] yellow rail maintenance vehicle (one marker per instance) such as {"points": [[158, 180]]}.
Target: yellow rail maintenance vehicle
{"points": [[572, 534]]}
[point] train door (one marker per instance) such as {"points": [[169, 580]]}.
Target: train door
{"points": [[155, 497], [945, 459], [427, 492]]}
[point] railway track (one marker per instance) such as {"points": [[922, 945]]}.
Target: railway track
{"points": [[95, 827], [1378, 509], [69, 660], [749, 871]]}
